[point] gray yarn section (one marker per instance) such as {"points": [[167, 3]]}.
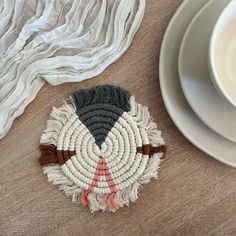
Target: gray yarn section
{"points": [[99, 121], [106, 94], [99, 109]]}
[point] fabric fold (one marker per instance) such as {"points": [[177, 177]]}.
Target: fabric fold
{"points": [[58, 41]]}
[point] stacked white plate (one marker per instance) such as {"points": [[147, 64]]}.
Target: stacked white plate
{"points": [[195, 106]]}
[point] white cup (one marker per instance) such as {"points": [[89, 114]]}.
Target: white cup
{"points": [[222, 54]]}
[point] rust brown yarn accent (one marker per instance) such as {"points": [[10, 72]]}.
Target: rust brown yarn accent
{"points": [[145, 149], [148, 149], [60, 158], [50, 155], [64, 156]]}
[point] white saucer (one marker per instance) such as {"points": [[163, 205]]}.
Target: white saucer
{"points": [[195, 79], [184, 118]]}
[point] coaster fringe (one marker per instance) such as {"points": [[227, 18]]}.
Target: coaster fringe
{"points": [[58, 118], [141, 114]]}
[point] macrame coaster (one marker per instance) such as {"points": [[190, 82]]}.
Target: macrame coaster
{"points": [[100, 147]]}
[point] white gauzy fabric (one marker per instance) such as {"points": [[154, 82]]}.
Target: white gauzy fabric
{"points": [[58, 41]]}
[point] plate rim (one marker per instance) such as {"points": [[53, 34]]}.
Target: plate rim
{"points": [[192, 104], [165, 97]]}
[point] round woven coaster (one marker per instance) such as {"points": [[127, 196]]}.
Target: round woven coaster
{"points": [[100, 147]]}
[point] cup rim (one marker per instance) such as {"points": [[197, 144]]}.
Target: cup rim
{"points": [[211, 61]]}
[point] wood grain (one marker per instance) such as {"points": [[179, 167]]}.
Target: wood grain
{"points": [[195, 195]]}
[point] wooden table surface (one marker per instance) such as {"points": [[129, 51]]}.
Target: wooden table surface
{"points": [[194, 195]]}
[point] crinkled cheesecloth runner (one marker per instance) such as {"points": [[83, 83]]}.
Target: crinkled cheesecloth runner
{"points": [[58, 41]]}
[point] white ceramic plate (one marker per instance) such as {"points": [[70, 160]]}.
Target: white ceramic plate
{"points": [[195, 79], [184, 118]]}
